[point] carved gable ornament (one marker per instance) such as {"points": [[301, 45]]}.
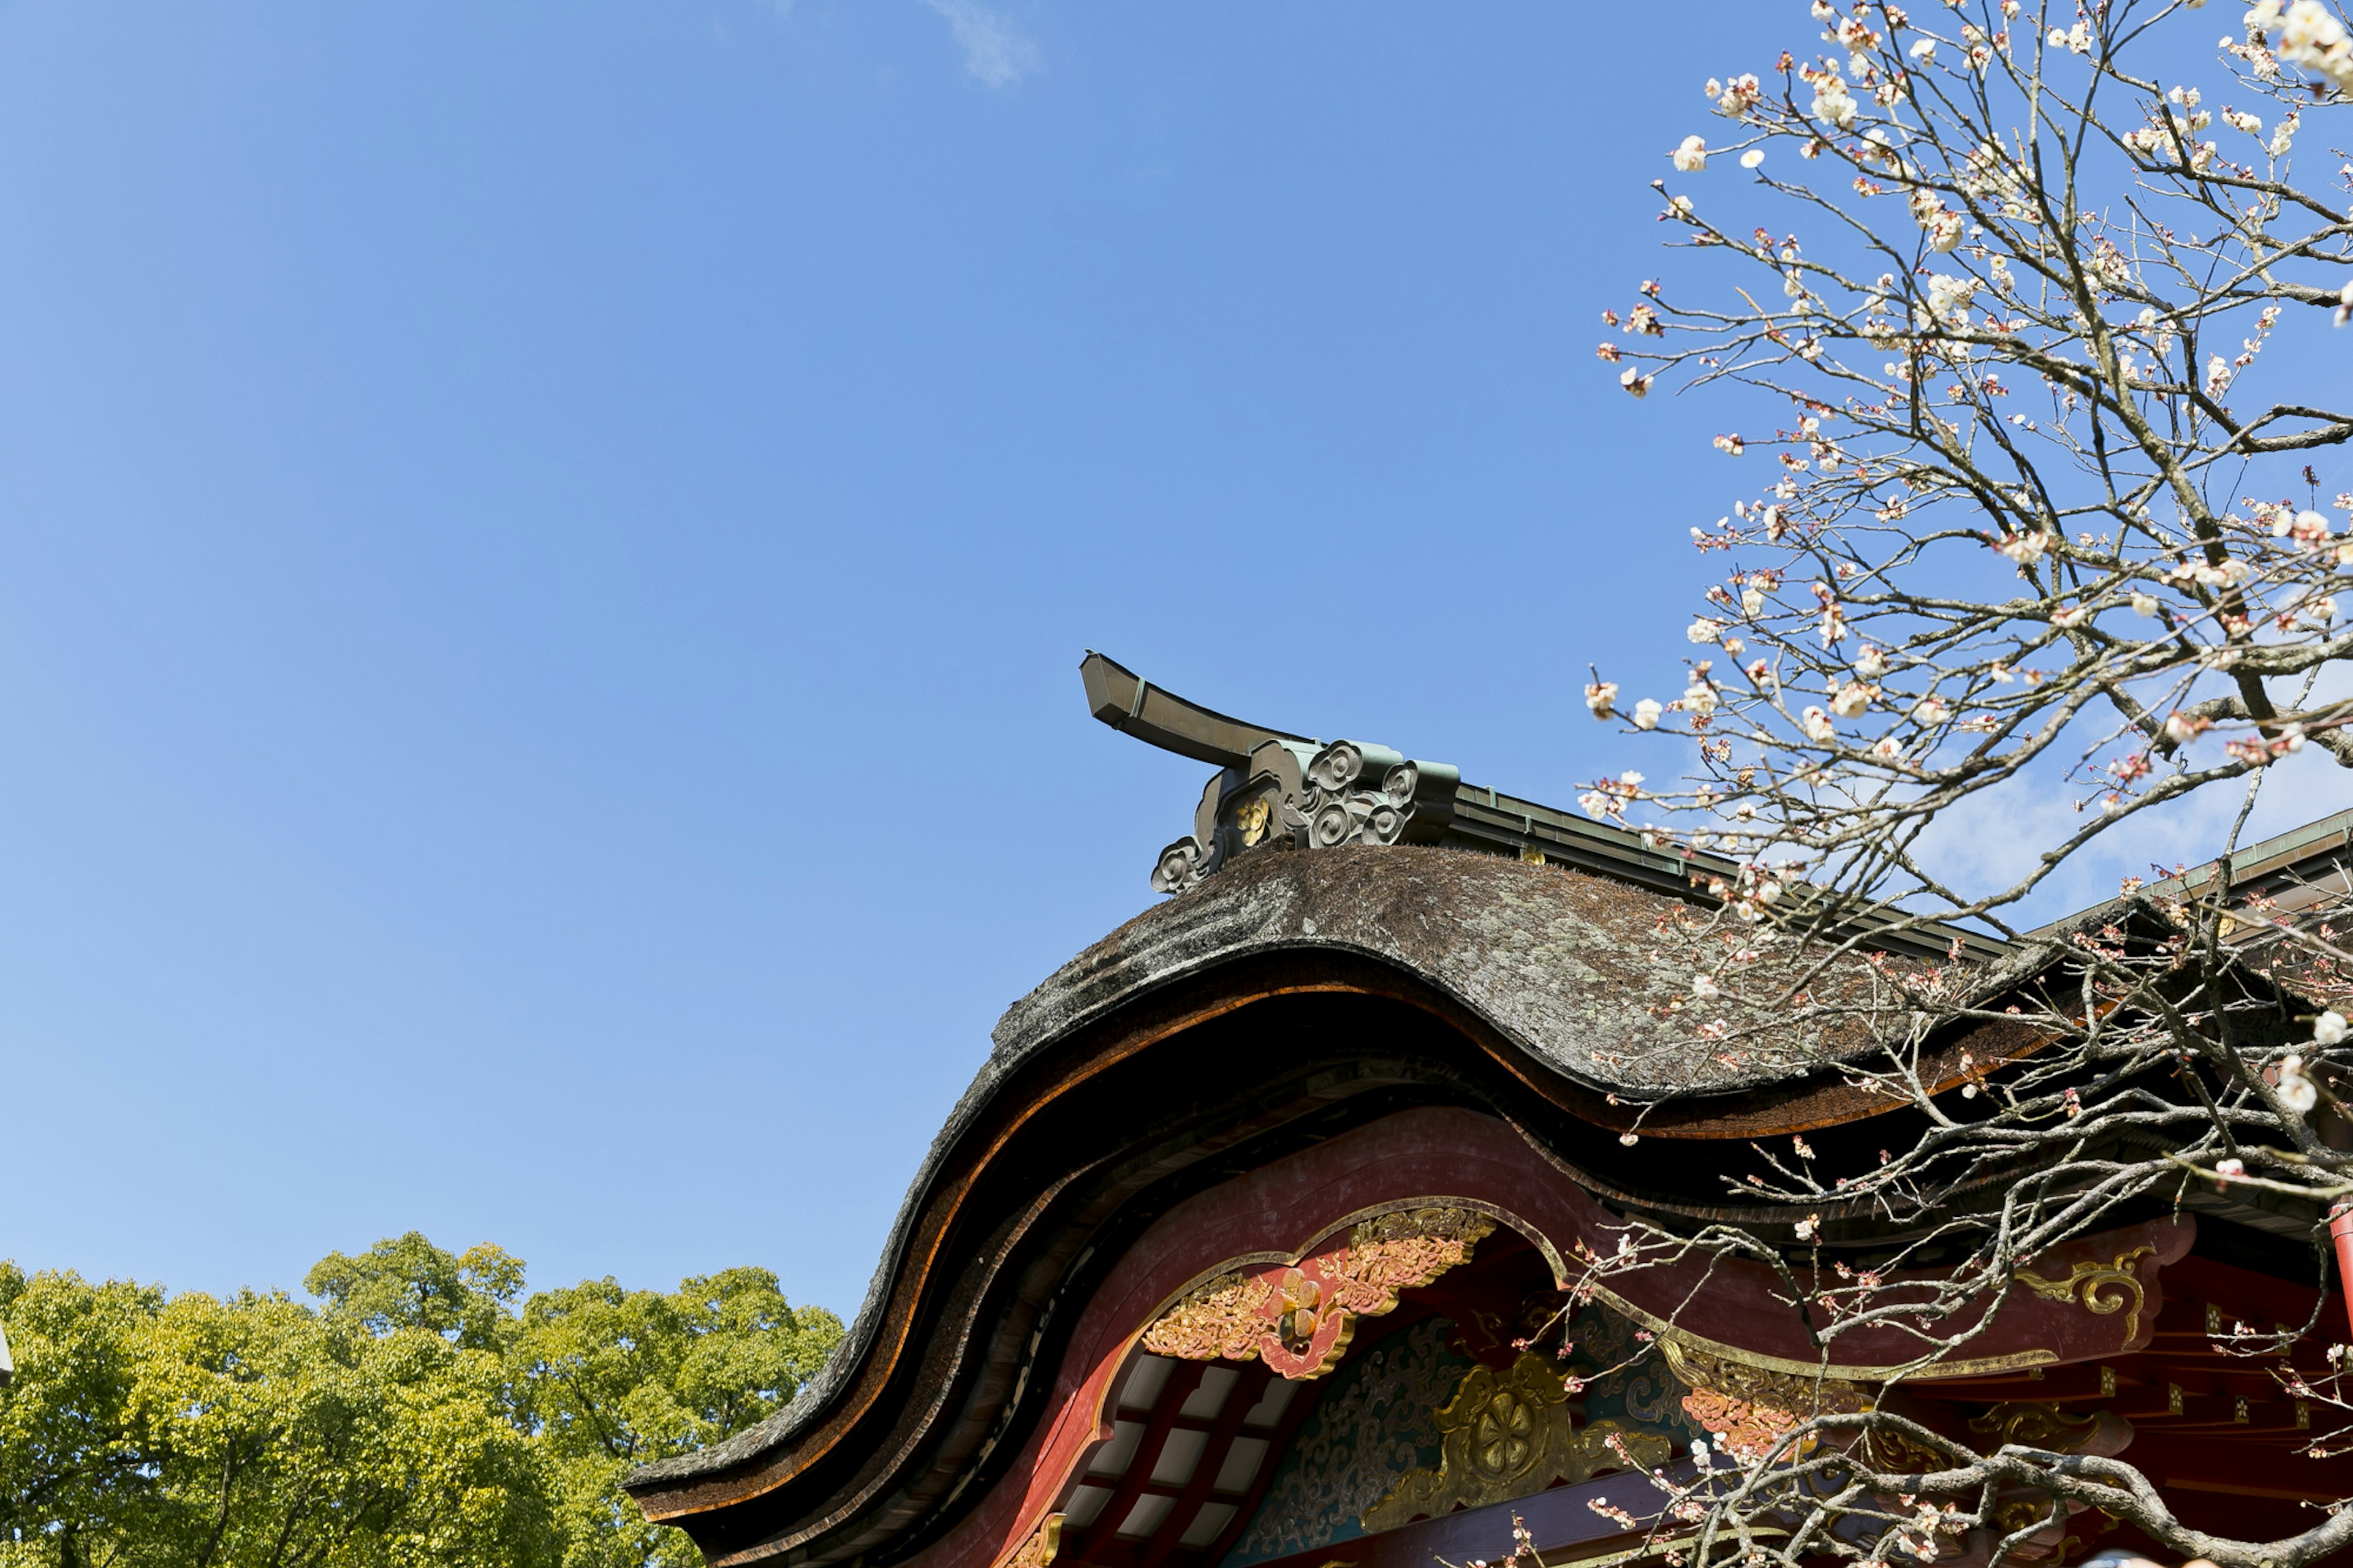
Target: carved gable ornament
{"points": [[1297, 1318]]}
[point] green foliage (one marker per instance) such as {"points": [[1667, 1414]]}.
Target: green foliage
{"points": [[420, 1418], [611, 1378], [410, 1283]]}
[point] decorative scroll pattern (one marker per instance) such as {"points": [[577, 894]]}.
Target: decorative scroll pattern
{"points": [[2039, 1424], [1349, 792], [1298, 1319], [2090, 1279], [1039, 1549], [1749, 1409], [1506, 1435]]}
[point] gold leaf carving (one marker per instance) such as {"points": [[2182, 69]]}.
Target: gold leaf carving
{"points": [[1298, 1319], [2087, 1282], [1039, 1549], [2038, 1424], [1506, 1435], [1224, 1318]]}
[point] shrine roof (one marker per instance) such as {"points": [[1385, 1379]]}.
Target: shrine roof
{"points": [[1566, 964]]}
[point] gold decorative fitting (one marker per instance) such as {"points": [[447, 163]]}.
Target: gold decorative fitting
{"points": [[2173, 1399], [1506, 1435], [2108, 1383], [1253, 819], [2039, 1424], [1748, 1407], [2086, 1282], [2303, 1416], [2239, 1411], [1298, 1318], [2213, 1319], [1898, 1453], [1039, 1549]]}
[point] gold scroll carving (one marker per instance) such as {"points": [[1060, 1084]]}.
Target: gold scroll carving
{"points": [[1298, 1319], [1039, 1549], [1506, 1435], [1749, 1409], [2087, 1282], [2037, 1424]]}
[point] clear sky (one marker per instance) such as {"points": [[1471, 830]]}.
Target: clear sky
{"points": [[544, 549]]}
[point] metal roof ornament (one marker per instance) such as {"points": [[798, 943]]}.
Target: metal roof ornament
{"points": [[1273, 789]]}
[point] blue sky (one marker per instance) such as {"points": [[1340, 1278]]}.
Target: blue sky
{"points": [[544, 549]]}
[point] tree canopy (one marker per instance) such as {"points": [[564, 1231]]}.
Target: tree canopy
{"points": [[428, 1411]]}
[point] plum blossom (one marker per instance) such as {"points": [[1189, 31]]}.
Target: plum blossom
{"points": [[1833, 103], [1691, 156], [1601, 699], [1738, 95], [1634, 381], [1704, 986], [2330, 1028], [2144, 605], [1818, 725], [1702, 630], [1753, 156], [1853, 700], [2296, 1092], [2313, 38], [2024, 547], [1646, 713], [1931, 710]]}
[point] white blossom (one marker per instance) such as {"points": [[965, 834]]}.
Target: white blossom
{"points": [[1690, 157], [1702, 630], [1646, 713], [1634, 381], [1833, 104], [1753, 156], [1601, 699], [2330, 1028], [1818, 725], [1852, 700], [2296, 1092], [2025, 547], [2313, 38]]}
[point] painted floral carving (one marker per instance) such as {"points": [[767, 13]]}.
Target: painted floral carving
{"points": [[1749, 1409]]}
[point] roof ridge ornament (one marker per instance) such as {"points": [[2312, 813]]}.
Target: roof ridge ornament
{"points": [[1273, 789]]}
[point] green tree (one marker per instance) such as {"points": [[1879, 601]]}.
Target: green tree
{"points": [[409, 1283], [418, 1418], [611, 1378], [191, 1432]]}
